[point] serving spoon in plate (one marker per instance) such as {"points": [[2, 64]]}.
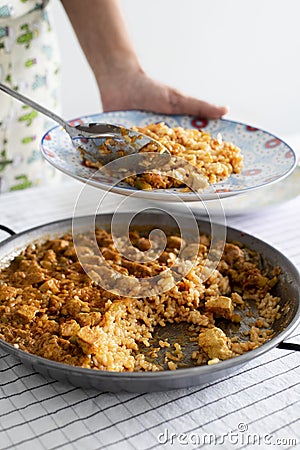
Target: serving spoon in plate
{"points": [[98, 142]]}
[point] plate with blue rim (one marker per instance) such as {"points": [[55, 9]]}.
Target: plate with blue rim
{"points": [[267, 159]]}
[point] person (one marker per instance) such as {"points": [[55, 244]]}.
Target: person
{"points": [[29, 62]]}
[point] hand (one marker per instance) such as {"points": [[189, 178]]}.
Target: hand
{"points": [[122, 82], [139, 91]]}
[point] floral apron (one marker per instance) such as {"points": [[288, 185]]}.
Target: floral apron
{"points": [[29, 63]]}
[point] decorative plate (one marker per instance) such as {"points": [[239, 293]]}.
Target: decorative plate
{"points": [[267, 159]]}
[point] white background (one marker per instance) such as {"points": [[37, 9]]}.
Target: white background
{"points": [[245, 54]]}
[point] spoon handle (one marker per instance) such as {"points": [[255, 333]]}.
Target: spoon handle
{"points": [[33, 104]]}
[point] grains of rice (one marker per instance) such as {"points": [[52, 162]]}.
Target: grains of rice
{"points": [[50, 307], [214, 158]]}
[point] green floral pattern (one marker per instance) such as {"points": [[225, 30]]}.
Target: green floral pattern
{"points": [[29, 62]]}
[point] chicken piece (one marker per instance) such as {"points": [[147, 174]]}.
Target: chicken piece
{"points": [[237, 299], [74, 306], [33, 273], [220, 306], [143, 244], [215, 343], [137, 269], [50, 285], [25, 313], [58, 245], [87, 340], [50, 256], [233, 254], [92, 318], [69, 328]]}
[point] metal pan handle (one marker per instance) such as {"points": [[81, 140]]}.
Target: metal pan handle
{"points": [[7, 230], [289, 346]]}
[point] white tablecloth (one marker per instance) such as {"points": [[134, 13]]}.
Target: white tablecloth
{"points": [[259, 405]]}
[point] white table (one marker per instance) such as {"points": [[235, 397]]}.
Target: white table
{"points": [[259, 403]]}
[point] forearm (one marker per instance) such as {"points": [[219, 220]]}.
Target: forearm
{"points": [[123, 84], [103, 36]]}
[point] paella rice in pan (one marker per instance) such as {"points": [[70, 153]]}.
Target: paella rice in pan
{"points": [[50, 306]]}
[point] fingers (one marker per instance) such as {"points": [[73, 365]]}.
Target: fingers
{"points": [[211, 111], [144, 93], [182, 104]]}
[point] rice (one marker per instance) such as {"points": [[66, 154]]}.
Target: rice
{"points": [[214, 158], [49, 306]]}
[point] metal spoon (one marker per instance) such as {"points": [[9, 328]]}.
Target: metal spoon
{"points": [[99, 142]]}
